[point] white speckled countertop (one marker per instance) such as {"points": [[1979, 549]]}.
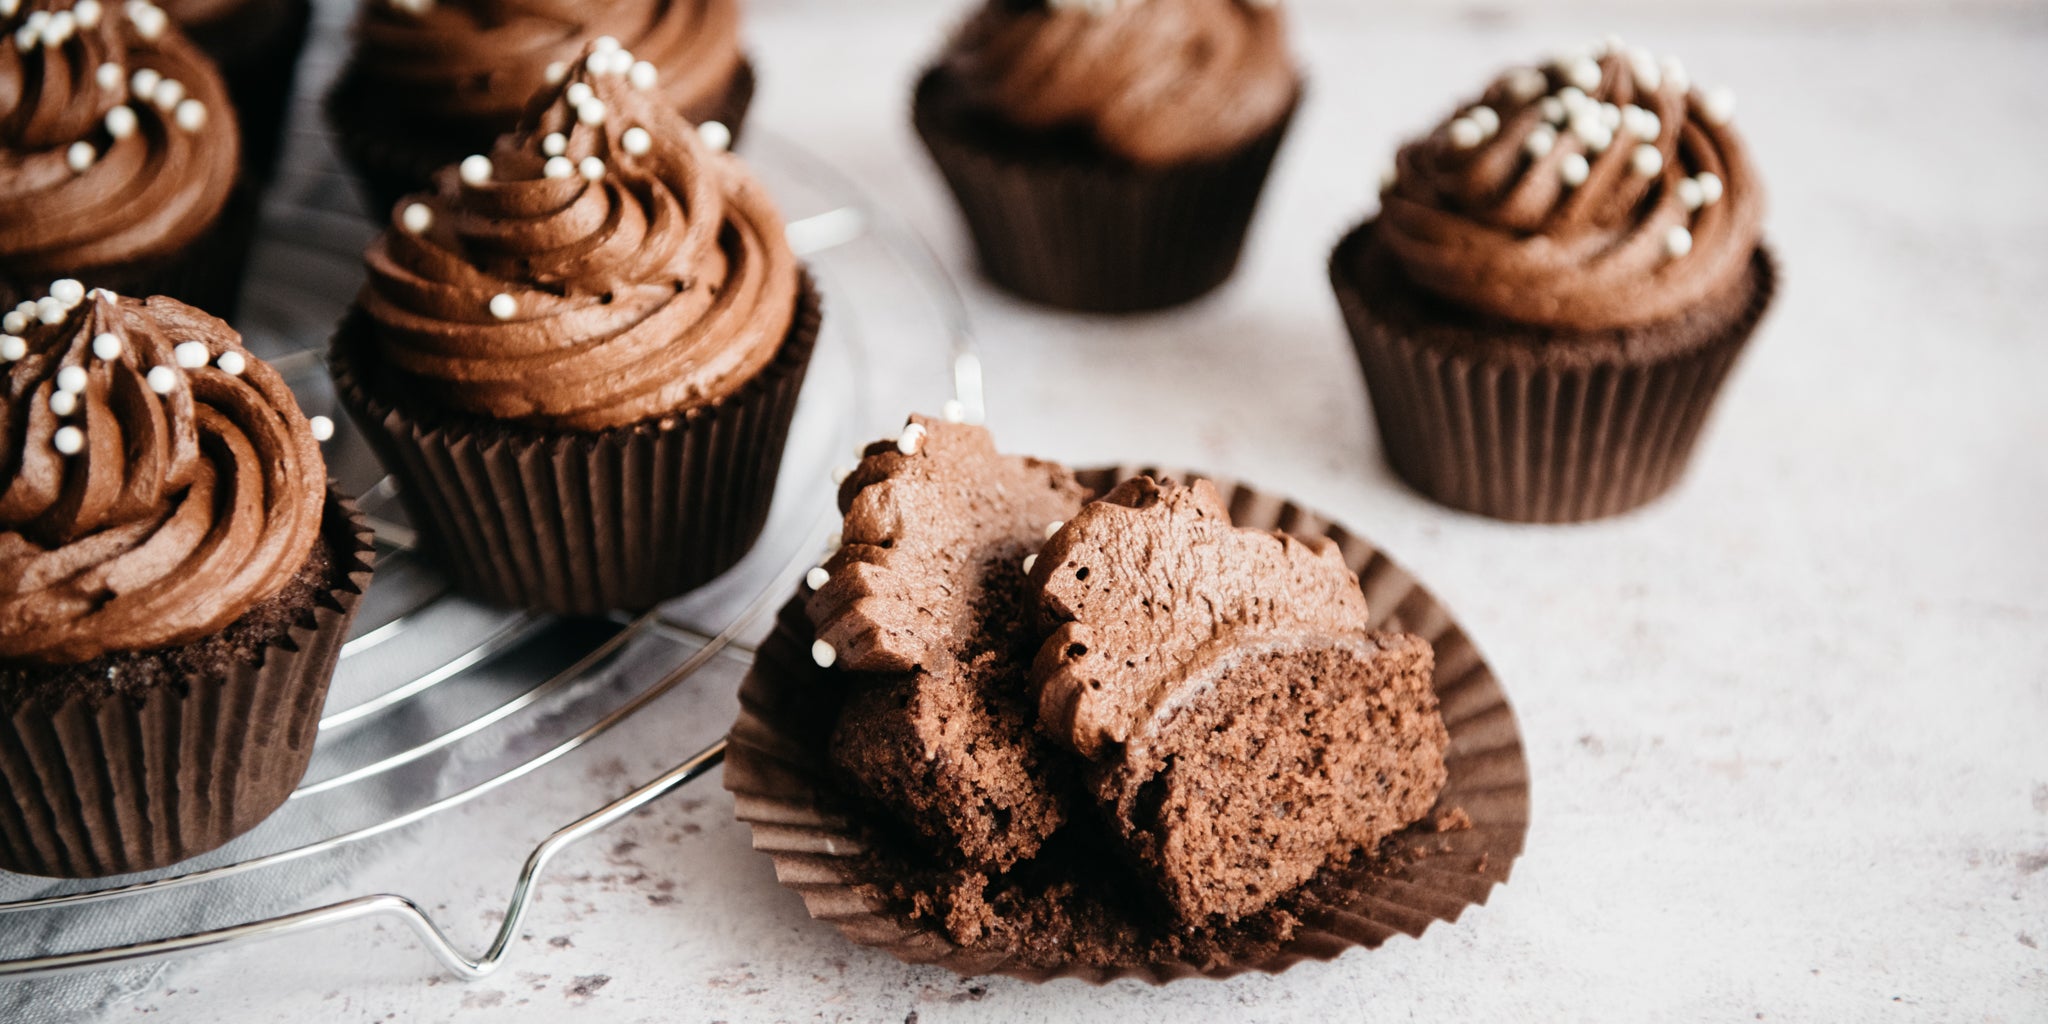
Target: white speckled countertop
{"points": [[1786, 726]]}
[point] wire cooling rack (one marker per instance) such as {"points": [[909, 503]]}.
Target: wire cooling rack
{"points": [[439, 702]]}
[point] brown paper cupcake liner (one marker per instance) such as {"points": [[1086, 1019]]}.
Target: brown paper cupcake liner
{"points": [[1491, 430], [585, 523], [782, 784], [393, 166], [105, 785], [258, 56], [206, 274], [1078, 231]]}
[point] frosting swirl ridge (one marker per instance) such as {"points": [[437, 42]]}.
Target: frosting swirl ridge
{"points": [[603, 266], [1602, 191], [1157, 82], [117, 139], [478, 60], [160, 481]]}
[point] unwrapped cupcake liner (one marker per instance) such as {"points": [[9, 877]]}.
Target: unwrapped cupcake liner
{"points": [[107, 785], [258, 57], [206, 274], [778, 771], [393, 166], [1491, 430], [1089, 234], [585, 523]]}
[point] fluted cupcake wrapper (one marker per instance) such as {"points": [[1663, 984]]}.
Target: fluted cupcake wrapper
{"points": [[393, 166], [260, 64], [1532, 440], [777, 769], [206, 274], [109, 785], [1094, 235], [586, 523]]}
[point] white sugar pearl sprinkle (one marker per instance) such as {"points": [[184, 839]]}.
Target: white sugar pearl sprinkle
{"points": [[604, 44], [1540, 141], [108, 76], [642, 75], [67, 290], [1464, 133], [590, 111], [1583, 72], [149, 21], [69, 440], [555, 144], [14, 322], [476, 169], [12, 347], [1677, 242], [911, 439], [162, 379], [1486, 118], [1710, 188], [51, 310], [88, 13], [817, 577], [120, 122], [80, 156], [1525, 84], [591, 168], [169, 94], [578, 93], [106, 346], [716, 135], [556, 72], [63, 403], [231, 363], [839, 474], [1647, 160], [557, 167], [504, 306], [59, 28], [636, 141], [823, 654], [1644, 66], [1718, 105], [1552, 109], [190, 115], [416, 218], [72, 379], [190, 355], [142, 85], [1029, 562], [1573, 169], [1053, 528], [322, 428], [1689, 194], [1674, 75]]}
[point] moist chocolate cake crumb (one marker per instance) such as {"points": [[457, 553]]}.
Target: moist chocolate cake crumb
{"points": [[923, 605], [1453, 819], [244, 641]]}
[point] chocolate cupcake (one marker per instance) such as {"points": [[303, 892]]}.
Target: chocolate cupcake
{"points": [[432, 82], [122, 154], [1139, 741], [580, 354], [256, 44], [1108, 157], [1558, 282], [176, 581]]}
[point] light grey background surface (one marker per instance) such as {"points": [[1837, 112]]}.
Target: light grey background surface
{"points": [[1786, 726]]}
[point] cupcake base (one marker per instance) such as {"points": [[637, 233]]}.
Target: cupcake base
{"points": [[1058, 222], [1531, 424], [394, 160], [136, 761], [1071, 911], [257, 47], [583, 523]]}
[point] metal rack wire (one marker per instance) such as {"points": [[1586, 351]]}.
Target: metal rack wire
{"points": [[402, 731]]}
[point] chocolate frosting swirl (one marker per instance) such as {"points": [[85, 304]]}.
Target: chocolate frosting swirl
{"points": [[1600, 192], [1157, 82], [117, 141], [479, 61], [547, 295], [176, 486]]}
